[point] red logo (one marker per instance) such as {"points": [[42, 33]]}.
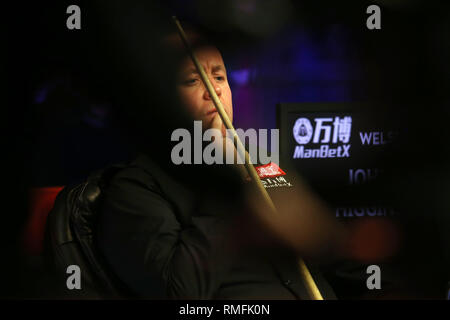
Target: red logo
{"points": [[269, 170]]}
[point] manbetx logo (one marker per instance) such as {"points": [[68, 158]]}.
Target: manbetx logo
{"points": [[326, 132]]}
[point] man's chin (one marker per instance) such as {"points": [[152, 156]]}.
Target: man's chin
{"points": [[207, 124]]}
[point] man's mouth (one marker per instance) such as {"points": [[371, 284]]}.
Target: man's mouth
{"points": [[212, 111]]}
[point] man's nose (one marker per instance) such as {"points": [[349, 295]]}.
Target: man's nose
{"points": [[216, 88]]}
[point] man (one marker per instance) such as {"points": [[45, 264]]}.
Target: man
{"points": [[166, 239]]}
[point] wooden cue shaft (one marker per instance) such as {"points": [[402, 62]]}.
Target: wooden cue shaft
{"points": [[311, 286]]}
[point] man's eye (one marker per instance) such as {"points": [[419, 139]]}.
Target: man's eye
{"points": [[220, 78], [190, 81]]}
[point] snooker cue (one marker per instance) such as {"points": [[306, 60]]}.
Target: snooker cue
{"points": [[307, 278]]}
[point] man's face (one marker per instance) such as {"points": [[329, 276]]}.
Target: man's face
{"points": [[193, 92]]}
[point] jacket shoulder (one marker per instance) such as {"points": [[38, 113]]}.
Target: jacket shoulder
{"points": [[141, 171]]}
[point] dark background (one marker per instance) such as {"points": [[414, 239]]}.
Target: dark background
{"points": [[74, 98]]}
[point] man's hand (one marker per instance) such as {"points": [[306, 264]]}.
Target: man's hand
{"points": [[303, 222], [228, 147]]}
